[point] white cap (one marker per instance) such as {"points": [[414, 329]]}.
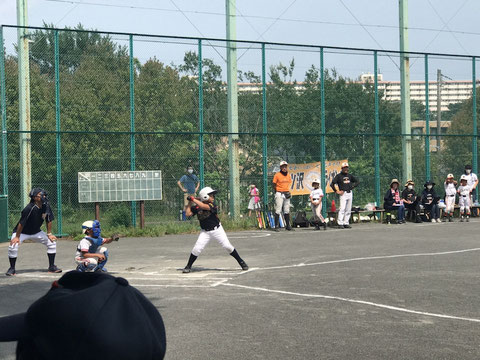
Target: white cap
{"points": [[204, 194], [283, 162], [315, 180], [87, 225], [450, 176], [344, 164], [463, 177]]}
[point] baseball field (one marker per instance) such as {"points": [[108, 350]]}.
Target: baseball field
{"points": [[372, 292]]}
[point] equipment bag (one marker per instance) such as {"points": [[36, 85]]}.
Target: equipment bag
{"points": [[300, 219]]}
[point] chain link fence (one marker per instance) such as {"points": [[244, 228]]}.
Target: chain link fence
{"points": [[117, 102]]}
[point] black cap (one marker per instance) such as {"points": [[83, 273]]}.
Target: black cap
{"points": [[429, 182], [88, 314]]}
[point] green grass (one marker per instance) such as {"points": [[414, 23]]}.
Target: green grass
{"points": [[170, 227]]}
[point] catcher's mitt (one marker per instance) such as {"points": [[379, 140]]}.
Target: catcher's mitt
{"points": [[115, 237]]}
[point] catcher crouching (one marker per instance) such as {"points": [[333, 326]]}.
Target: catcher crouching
{"points": [[91, 255]]}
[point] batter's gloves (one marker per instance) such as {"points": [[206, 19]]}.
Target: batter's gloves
{"points": [[190, 198]]}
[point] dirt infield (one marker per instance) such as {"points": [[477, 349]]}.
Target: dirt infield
{"points": [[372, 292]]}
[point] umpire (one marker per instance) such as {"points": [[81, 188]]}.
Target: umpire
{"points": [[343, 184], [28, 228]]}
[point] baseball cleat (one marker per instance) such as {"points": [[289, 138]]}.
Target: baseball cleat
{"points": [[347, 227], [186, 270], [244, 265], [54, 269], [10, 272]]}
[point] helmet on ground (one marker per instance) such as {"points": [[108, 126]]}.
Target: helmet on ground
{"points": [[283, 162], [205, 193], [463, 177], [93, 225]]}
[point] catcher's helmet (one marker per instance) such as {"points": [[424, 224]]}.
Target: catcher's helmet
{"points": [[205, 192], [92, 224]]}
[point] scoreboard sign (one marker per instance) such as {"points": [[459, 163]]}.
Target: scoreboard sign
{"points": [[107, 186]]}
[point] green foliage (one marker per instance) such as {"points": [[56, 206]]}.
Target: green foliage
{"points": [[95, 102]]}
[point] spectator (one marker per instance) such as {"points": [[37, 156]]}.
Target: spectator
{"points": [[430, 202], [88, 315], [343, 184], [411, 201], [189, 184], [254, 203], [393, 201]]}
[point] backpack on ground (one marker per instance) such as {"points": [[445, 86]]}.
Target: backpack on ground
{"points": [[300, 219]]}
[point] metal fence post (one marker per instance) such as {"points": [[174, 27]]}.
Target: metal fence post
{"points": [[3, 107], [427, 123], [200, 115], [57, 136], [474, 113], [264, 131], [377, 130], [132, 127], [322, 137]]}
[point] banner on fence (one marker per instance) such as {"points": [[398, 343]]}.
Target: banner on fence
{"points": [[303, 175]]}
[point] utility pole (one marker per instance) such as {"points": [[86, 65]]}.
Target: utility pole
{"points": [[24, 102], [405, 91], [439, 107], [232, 94]]}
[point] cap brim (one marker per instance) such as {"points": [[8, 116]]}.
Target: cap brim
{"points": [[12, 328]]}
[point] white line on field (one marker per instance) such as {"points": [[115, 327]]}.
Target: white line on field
{"points": [[363, 258], [383, 306], [171, 286]]}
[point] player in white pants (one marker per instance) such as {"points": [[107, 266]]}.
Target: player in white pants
{"points": [[29, 228], [464, 198], [206, 211], [91, 255], [316, 200], [343, 184], [450, 192]]}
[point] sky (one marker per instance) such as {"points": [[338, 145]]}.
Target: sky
{"points": [[436, 26]]}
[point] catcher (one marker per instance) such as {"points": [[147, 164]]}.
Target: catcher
{"points": [[91, 255]]}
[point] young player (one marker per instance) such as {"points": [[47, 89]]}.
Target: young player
{"points": [[91, 255], [206, 212], [464, 198], [316, 199], [450, 192], [29, 228], [254, 203]]}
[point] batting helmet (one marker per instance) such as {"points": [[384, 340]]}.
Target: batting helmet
{"points": [[204, 194]]}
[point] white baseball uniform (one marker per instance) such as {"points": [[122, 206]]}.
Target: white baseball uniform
{"points": [[450, 192], [316, 195], [464, 199]]}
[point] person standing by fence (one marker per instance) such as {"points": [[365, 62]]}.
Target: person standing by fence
{"points": [[281, 186], [343, 184], [254, 202], [189, 184]]}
